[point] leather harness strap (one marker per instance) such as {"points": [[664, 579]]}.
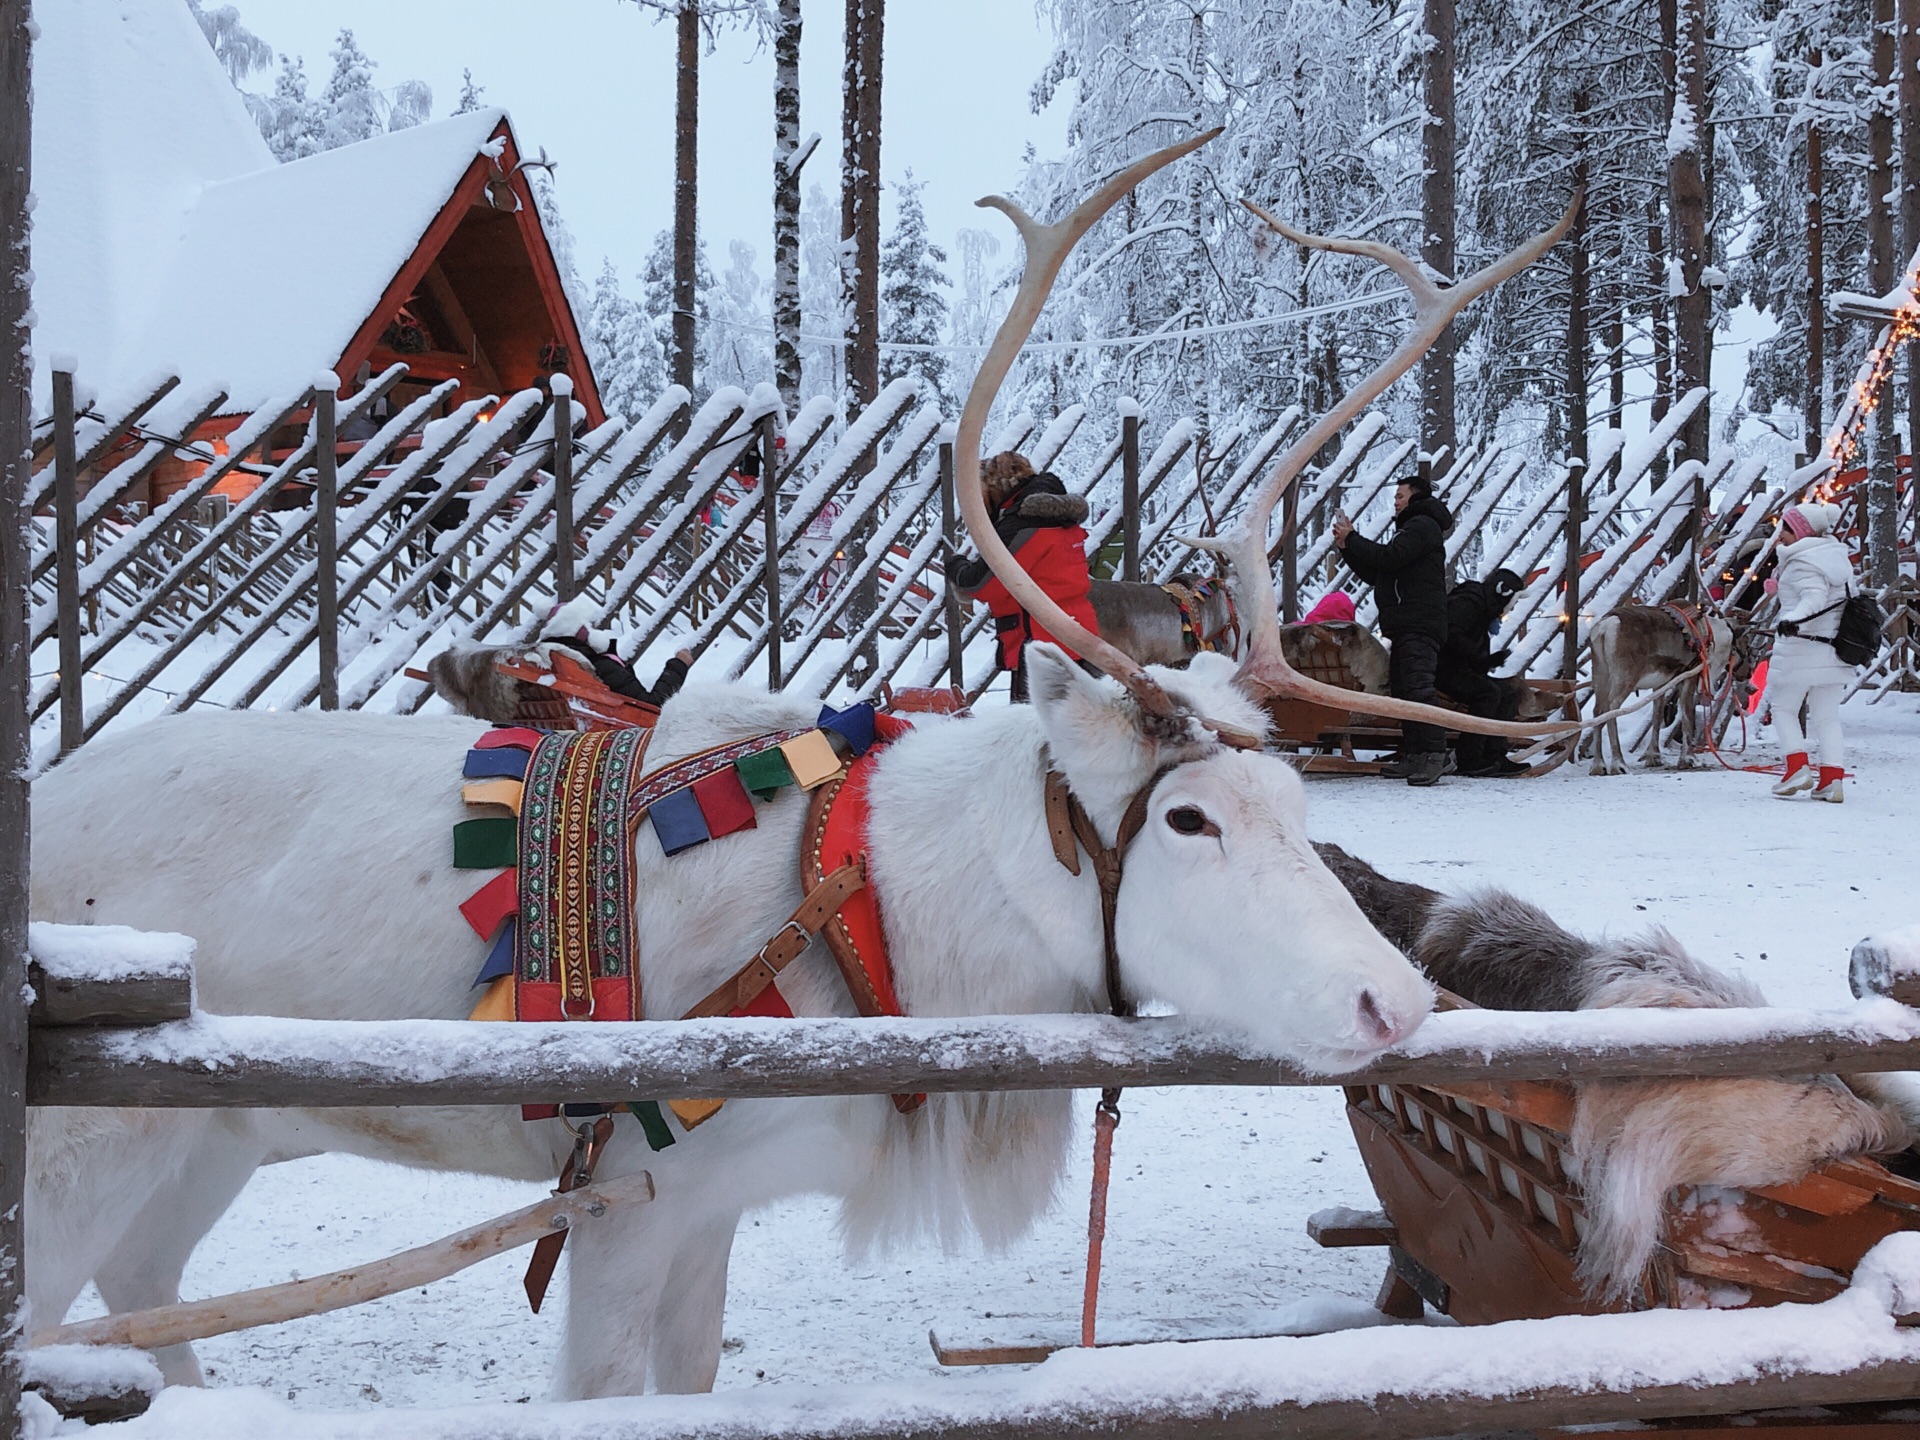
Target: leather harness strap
{"points": [[743, 987], [1109, 865], [1060, 808]]}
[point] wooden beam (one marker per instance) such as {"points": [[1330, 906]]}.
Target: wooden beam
{"points": [[246, 1061], [339, 1289], [16, 754], [151, 999]]}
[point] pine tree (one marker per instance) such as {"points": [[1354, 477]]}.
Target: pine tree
{"points": [[656, 299], [913, 302], [738, 349], [293, 124], [351, 103], [470, 94], [626, 357]]}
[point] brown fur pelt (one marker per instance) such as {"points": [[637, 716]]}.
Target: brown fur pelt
{"points": [[1633, 1141], [468, 678]]}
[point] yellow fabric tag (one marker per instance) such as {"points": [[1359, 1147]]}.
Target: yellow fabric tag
{"points": [[693, 1112], [499, 791], [497, 1003], [812, 759]]}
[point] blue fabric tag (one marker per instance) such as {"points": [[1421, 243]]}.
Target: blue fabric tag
{"points": [[504, 763], [500, 958], [677, 821], [853, 724]]}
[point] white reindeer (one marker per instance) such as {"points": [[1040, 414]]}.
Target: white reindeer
{"points": [[308, 854]]}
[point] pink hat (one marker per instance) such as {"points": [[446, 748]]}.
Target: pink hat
{"points": [[1335, 608], [1797, 524]]}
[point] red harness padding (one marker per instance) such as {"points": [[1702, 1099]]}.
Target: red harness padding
{"points": [[836, 835]]}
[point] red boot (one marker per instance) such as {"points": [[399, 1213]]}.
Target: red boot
{"points": [[1799, 777], [1830, 788]]}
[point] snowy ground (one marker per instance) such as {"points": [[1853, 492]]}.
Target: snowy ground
{"points": [[1212, 1187]]}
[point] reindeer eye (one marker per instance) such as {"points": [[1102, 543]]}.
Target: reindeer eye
{"points": [[1191, 820]]}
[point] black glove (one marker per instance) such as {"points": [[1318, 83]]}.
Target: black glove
{"points": [[1499, 658], [1788, 627], [950, 567]]}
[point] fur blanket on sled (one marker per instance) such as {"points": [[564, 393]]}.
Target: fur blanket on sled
{"points": [[1633, 1141]]}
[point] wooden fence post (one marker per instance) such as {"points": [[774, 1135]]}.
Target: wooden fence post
{"points": [[16, 443], [326, 538], [1290, 557], [562, 489], [1130, 497], [770, 533], [1576, 511], [66, 544], [950, 597]]}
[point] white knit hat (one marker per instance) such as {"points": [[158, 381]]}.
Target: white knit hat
{"points": [[1820, 518]]}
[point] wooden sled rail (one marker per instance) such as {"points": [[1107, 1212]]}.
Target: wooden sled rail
{"points": [[247, 1061]]}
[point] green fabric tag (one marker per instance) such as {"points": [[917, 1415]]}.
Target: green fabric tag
{"points": [[764, 774], [488, 844], [647, 1112]]}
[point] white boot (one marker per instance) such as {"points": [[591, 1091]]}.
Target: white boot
{"points": [[1799, 777]]}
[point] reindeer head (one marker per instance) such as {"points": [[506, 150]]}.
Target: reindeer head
{"points": [[1226, 912]]}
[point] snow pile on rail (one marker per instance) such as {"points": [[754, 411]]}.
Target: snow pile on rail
{"points": [[108, 952]]}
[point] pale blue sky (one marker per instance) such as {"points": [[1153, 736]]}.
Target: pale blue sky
{"points": [[592, 80]]}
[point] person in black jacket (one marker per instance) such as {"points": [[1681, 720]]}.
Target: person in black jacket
{"points": [[1467, 660], [1409, 578]]}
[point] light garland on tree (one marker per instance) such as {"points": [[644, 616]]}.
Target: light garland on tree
{"points": [[1843, 441]]}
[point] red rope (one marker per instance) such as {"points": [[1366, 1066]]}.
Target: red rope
{"points": [[1106, 1119]]}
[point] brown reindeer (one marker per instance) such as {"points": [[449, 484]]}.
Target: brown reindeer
{"points": [[1637, 646]]}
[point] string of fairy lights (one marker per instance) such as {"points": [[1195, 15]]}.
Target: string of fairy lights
{"points": [[1871, 385]]}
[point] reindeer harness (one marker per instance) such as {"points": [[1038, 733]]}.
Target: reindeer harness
{"points": [[1190, 600]]}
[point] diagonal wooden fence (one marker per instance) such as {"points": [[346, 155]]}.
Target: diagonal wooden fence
{"points": [[282, 564]]}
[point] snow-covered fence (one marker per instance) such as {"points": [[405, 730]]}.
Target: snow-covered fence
{"points": [[1863, 1345], [443, 526]]}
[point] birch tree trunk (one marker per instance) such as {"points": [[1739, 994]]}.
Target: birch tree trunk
{"points": [[1883, 563], [786, 205], [686, 195], [1437, 432], [1816, 378], [16, 110]]}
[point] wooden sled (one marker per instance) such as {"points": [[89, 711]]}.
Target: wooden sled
{"points": [[1335, 741], [1481, 1223]]}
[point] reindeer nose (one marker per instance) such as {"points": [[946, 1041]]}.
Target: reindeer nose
{"points": [[1376, 1024]]}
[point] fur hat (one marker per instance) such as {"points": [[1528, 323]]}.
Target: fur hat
{"points": [[1001, 475]]}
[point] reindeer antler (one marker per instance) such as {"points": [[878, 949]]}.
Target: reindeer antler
{"points": [[1265, 670], [1047, 248]]}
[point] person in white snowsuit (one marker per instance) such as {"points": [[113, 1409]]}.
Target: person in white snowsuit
{"points": [[1813, 582]]}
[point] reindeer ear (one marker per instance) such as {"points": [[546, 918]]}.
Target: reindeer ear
{"points": [[1089, 721]]}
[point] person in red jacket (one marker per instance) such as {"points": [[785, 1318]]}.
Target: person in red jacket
{"points": [[1041, 524]]}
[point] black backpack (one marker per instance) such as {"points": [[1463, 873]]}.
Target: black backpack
{"points": [[1858, 640]]}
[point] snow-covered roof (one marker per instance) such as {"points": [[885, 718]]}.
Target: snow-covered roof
{"points": [[167, 237], [274, 271]]}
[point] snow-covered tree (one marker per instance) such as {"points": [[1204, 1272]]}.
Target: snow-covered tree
{"points": [[738, 350], [822, 301], [626, 356], [656, 299], [470, 94], [240, 50], [913, 302], [293, 124]]}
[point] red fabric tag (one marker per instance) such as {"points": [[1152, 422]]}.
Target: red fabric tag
{"points": [[724, 802], [492, 903], [516, 737]]}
